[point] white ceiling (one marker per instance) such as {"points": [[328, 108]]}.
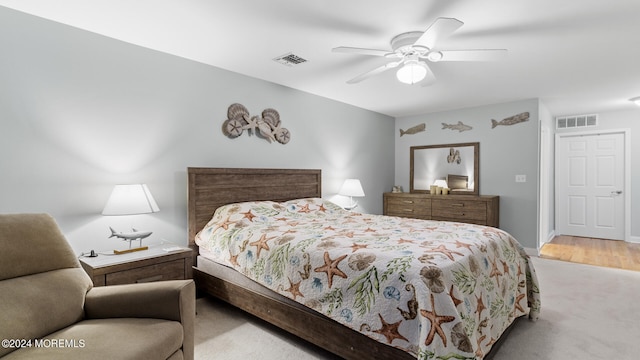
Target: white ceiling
{"points": [[577, 56]]}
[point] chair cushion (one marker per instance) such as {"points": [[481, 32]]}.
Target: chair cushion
{"points": [[36, 305], [124, 338], [32, 243]]}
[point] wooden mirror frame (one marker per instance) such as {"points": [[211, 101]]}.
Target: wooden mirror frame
{"points": [[476, 166]]}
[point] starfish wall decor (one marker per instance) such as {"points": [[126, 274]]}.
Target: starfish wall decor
{"points": [[268, 126]]}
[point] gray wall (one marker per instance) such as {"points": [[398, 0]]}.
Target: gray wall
{"points": [[81, 112], [505, 151]]}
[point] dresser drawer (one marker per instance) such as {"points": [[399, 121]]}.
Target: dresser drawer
{"points": [[170, 270], [460, 210], [481, 210], [411, 207]]}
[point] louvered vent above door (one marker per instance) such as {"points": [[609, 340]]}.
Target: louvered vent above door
{"points": [[576, 121]]}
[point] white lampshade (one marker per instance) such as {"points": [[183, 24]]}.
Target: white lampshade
{"points": [[441, 183], [351, 187], [412, 72], [130, 200]]}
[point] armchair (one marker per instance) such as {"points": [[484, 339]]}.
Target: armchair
{"points": [[50, 310]]}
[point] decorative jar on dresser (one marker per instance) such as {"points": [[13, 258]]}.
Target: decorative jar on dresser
{"points": [[481, 210]]}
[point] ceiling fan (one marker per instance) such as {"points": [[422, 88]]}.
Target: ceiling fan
{"points": [[413, 49]]}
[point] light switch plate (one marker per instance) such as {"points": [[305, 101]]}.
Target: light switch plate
{"points": [[521, 178]]}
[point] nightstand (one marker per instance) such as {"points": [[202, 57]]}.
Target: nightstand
{"points": [[154, 264]]}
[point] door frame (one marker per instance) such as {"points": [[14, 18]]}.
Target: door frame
{"points": [[546, 161], [627, 173]]}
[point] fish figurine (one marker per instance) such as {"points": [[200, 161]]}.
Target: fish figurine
{"points": [[512, 120], [414, 130], [459, 126]]}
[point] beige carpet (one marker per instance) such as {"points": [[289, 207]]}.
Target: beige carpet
{"points": [[588, 312]]}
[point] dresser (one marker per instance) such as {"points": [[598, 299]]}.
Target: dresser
{"points": [[481, 210]]}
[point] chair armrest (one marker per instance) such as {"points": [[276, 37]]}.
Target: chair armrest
{"points": [[161, 300], [170, 300]]}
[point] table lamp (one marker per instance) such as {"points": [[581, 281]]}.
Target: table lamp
{"points": [[130, 199], [351, 188]]}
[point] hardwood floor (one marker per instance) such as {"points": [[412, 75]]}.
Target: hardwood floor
{"points": [[601, 252]]}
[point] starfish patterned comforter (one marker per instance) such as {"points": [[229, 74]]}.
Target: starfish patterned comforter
{"points": [[438, 290]]}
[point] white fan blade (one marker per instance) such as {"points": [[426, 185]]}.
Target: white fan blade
{"points": [[373, 72], [430, 78], [440, 28], [361, 51], [473, 55]]}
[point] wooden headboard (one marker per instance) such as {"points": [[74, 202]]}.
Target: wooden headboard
{"points": [[210, 188]]}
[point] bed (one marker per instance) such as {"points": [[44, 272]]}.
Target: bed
{"points": [[422, 289]]}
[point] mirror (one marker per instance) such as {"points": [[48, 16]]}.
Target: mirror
{"points": [[457, 164]]}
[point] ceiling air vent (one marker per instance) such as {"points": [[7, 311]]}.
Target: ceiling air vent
{"points": [[576, 121], [290, 59]]}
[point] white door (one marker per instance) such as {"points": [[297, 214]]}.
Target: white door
{"points": [[590, 183]]}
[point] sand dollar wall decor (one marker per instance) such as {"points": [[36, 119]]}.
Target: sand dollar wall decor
{"points": [[267, 126]]}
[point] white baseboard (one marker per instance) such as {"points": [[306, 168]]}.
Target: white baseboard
{"points": [[532, 251], [635, 239]]}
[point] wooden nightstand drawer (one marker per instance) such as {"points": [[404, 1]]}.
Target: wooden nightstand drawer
{"points": [[154, 264], [459, 209], [172, 270]]}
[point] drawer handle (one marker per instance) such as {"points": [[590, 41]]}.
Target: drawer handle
{"points": [[462, 205], [407, 201], [407, 210], [150, 279]]}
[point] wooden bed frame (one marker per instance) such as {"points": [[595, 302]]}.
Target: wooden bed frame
{"points": [[210, 188]]}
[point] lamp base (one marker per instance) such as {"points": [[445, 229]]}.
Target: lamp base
{"points": [[120, 252], [353, 205]]}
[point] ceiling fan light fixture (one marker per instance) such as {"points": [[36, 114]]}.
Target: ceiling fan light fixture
{"points": [[412, 72]]}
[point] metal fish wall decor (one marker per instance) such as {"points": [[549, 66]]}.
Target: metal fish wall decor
{"points": [[512, 120], [459, 126], [414, 130]]}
